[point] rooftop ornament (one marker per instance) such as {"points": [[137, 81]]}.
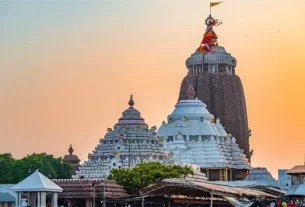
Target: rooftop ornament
{"points": [[209, 38], [131, 102], [70, 150]]}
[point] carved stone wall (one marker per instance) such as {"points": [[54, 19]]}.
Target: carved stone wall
{"points": [[224, 96]]}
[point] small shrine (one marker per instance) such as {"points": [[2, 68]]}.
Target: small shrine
{"points": [[72, 159], [192, 135], [127, 144], [37, 188]]}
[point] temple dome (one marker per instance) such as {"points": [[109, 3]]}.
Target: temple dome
{"points": [[192, 109], [128, 143], [218, 55], [192, 136]]}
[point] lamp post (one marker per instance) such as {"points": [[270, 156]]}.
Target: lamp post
{"points": [[211, 199]]}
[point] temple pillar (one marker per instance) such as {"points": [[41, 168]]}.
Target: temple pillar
{"points": [[5, 204], [54, 200], [70, 203], [38, 199], [220, 174], [88, 203], [19, 199], [226, 175], [207, 174], [43, 199]]}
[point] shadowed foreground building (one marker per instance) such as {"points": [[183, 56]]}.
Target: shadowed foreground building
{"points": [[216, 84]]}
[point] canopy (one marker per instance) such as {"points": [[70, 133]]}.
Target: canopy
{"points": [[36, 182], [296, 190], [197, 188]]}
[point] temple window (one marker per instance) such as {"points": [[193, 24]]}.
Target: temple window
{"points": [[170, 139], [118, 148], [113, 164], [194, 138], [184, 138]]}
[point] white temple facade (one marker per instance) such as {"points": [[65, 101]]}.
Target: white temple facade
{"points": [[192, 136], [129, 143]]}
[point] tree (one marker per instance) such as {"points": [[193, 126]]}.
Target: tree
{"points": [[145, 174], [13, 170]]}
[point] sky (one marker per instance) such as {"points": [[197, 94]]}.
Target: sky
{"points": [[67, 69]]}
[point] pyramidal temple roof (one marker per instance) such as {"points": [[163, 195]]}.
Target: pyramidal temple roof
{"points": [[127, 144], [192, 135], [36, 182]]}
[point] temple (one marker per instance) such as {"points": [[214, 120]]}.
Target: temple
{"points": [[192, 136], [129, 143], [211, 70], [73, 160]]}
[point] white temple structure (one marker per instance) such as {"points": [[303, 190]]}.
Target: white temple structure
{"points": [[192, 136], [129, 143], [36, 186]]}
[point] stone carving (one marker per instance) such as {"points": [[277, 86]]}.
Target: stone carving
{"points": [[190, 93], [179, 137]]}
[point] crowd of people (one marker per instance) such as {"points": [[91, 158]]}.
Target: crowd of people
{"points": [[292, 203]]}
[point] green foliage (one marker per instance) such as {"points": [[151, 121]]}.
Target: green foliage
{"points": [[13, 170], [145, 174]]}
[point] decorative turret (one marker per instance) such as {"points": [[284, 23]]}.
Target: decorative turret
{"points": [[72, 159], [192, 136], [127, 144]]}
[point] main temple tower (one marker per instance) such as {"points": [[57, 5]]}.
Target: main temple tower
{"points": [[211, 70]]}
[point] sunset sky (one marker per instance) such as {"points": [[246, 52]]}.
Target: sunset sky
{"points": [[67, 69]]}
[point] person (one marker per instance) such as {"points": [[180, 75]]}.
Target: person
{"points": [[284, 204], [279, 204], [292, 204], [272, 204]]}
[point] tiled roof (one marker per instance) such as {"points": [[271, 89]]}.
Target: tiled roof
{"points": [[297, 169], [6, 197]]}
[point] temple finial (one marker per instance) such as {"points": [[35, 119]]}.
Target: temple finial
{"points": [[190, 92], [131, 102], [70, 150]]}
